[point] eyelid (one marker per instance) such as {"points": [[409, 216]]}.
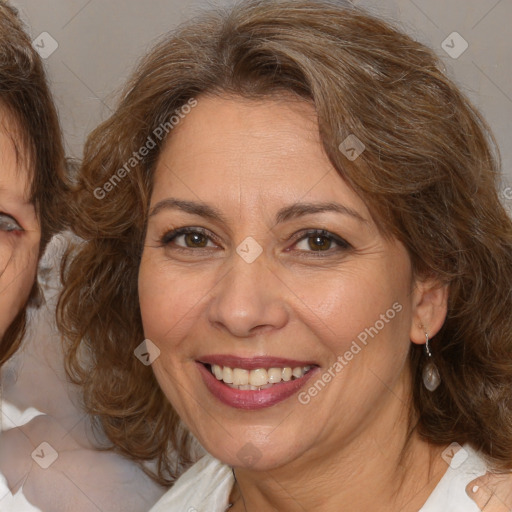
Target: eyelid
{"points": [[170, 235], [11, 219], [301, 235]]}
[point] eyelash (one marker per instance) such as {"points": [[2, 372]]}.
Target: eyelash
{"points": [[10, 220], [342, 244], [172, 235]]}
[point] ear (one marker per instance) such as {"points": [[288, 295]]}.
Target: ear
{"points": [[430, 304]]}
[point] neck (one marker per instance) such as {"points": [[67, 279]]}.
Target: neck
{"points": [[376, 470]]}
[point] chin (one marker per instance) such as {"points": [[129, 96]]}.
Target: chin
{"points": [[243, 453]]}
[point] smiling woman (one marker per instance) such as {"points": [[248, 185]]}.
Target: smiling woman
{"points": [[31, 176], [310, 274]]}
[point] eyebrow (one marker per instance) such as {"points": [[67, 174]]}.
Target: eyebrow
{"points": [[20, 199], [287, 213], [195, 208], [299, 209]]}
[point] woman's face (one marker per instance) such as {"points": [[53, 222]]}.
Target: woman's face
{"points": [[261, 265], [19, 229]]}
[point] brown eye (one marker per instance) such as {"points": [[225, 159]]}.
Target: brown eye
{"points": [[319, 243], [195, 240], [188, 238]]}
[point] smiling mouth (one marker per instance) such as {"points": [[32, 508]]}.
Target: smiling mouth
{"points": [[257, 379]]}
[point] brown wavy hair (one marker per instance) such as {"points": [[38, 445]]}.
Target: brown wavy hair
{"points": [[25, 96], [429, 175]]}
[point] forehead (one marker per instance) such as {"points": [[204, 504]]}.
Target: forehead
{"points": [[15, 177], [280, 126], [255, 150]]}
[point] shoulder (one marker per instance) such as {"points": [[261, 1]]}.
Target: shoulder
{"points": [[205, 487], [492, 492], [464, 464]]}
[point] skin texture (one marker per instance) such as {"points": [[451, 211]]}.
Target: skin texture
{"points": [[248, 160], [40, 405], [19, 229], [492, 492]]}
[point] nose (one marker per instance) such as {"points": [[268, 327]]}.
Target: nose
{"points": [[249, 300]]}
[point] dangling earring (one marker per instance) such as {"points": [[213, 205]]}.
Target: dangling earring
{"points": [[431, 377]]}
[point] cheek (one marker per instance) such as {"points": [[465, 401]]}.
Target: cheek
{"points": [[18, 267], [169, 301], [344, 304]]}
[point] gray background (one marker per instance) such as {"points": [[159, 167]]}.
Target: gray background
{"points": [[100, 41], [98, 44]]}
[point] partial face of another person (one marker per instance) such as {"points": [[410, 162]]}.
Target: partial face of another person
{"points": [[282, 315], [19, 227]]}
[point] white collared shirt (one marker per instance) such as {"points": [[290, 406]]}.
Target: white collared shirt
{"points": [[207, 485]]}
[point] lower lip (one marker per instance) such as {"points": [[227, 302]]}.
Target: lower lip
{"points": [[251, 400]]}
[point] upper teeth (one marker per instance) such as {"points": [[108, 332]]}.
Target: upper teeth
{"points": [[260, 378]]}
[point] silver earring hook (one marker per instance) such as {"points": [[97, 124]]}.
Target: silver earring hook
{"points": [[431, 377], [427, 348]]}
